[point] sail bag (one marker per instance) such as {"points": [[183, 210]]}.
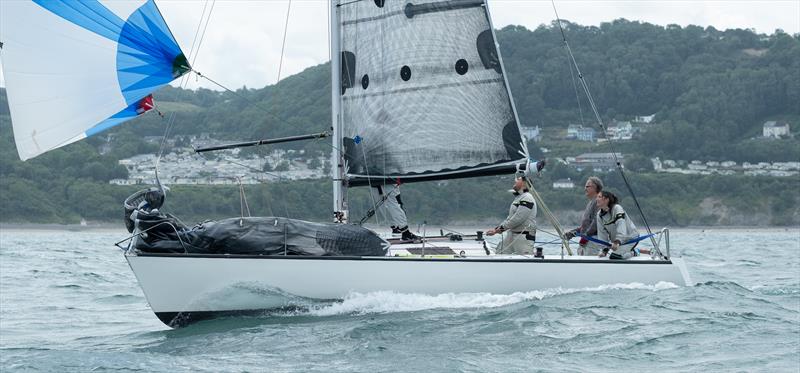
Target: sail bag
{"points": [[255, 236]]}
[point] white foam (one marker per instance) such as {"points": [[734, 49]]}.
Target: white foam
{"points": [[389, 301]]}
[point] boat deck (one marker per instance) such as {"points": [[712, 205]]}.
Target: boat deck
{"points": [[442, 247]]}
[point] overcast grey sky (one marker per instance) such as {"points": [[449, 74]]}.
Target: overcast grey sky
{"points": [[242, 44]]}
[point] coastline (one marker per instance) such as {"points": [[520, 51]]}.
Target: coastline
{"points": [[90, 227], [467, 227]]}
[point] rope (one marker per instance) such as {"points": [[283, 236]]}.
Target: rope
{"points": [[608, 244], [203, 35], [283, 44], [375, 206], [184, 80], [602, 127], [549, 215], [575, 87], [243, 200], [369, 181]]}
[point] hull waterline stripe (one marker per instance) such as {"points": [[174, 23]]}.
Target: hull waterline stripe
{"points": [[397, 259]]}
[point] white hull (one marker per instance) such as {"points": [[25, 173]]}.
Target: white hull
{"points": [[196, 286]]}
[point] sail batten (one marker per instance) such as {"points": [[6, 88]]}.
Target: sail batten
{"points": [[75, 68], [423, 92]]}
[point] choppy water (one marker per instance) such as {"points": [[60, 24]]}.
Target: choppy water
{"points": [[69, 302]]}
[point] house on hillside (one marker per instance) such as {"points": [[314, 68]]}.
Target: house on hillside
{"points": [[621, 131], [775, 129], [657, 164], [586, 134], [572, 131], [532, 133], [597, 161], [563, 184], [644, 118]]}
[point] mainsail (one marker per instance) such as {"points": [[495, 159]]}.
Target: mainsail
{"points": [[75, 68], [424, 95]]}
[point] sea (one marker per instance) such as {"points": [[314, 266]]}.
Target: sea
{"points": [[70, 303]]}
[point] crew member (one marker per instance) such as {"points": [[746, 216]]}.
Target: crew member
{"points": [[588, 227], [615, 227], [390, 206], [519, 229]]}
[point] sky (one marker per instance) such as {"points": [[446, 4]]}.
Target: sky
{"points": [[242, 43]]}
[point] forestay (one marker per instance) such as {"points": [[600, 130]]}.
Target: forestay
{"points": [[424, 95], [76, 68]]}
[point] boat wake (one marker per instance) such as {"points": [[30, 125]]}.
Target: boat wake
{"points": [[265, 301], [251, 296], [391, 302]]}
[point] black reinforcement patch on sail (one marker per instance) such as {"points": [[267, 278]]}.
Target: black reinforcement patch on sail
{"points": [[348, 70], [488, 52], [512, 140], [462, 66], [365, 81], [355, 164], [180, 66], [405, 73]]}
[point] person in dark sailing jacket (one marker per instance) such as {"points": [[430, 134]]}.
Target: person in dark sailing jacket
{"points": [[519, 228], [615, 227], [588, 225]]}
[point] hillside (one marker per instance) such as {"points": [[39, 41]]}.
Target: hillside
{"points": [[710, 91]]}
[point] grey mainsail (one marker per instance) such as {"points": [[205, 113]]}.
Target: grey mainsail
{"points": [[423, 93]]}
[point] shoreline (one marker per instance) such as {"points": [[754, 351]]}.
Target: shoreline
{"points": [[61, 227], [467, 227]]}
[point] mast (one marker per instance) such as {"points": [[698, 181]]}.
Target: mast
{"points": [[337, 158]]}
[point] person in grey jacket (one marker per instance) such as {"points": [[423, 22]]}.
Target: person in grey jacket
{"points": [[615, 227], [519, 228], [390, 206], [588, 225]]}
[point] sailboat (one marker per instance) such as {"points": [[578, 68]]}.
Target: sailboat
{"points": [[419, 93]]}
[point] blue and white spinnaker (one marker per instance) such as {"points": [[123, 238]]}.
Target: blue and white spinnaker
{"points": [[77, 67]]}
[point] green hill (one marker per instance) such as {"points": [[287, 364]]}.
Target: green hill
{"points": [[710, 91]]}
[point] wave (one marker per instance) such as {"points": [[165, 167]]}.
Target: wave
{"points": [[390, 302]]}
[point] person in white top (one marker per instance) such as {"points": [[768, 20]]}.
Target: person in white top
{"points": [[615, 227]]}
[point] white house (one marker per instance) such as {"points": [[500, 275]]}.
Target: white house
{"points": [[597, 161], [572, 131], [586, 134], [563, 184], [657, 165], [531, 133], [776, 130], [621, 131]]}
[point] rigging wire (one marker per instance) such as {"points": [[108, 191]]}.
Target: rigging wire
{"points": [[171, 120], [328, 29], [602, 126], [203, 35], [193, 53], [283, 44], [575, 87]]}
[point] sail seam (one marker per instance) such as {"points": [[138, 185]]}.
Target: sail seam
{"points": [[373, 18], [425, 88], [442, 172]]}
